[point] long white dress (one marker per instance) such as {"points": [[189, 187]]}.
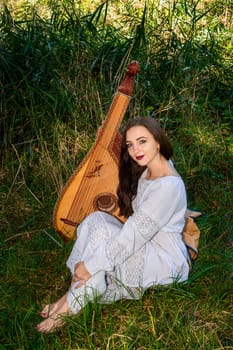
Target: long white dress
{"points": [[125, 259]]}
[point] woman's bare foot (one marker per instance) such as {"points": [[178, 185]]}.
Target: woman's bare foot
{"points": [[49, 309], [55, 321]]}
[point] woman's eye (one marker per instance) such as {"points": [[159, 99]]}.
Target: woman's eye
{"points": [[142, 141], [128, 145]]}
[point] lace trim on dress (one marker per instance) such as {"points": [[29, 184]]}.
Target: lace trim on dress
{"points": [[98, 231], [145, 224], [91, 233], [134, 267], [133, 263]]}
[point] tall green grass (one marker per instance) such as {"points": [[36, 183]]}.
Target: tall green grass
{"points": [[61, 63]]}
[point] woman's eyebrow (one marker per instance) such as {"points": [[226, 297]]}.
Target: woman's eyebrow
{"points": [[139, 138]]}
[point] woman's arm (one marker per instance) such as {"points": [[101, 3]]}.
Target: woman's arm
{"points": [[157, 207], [81, 274]]}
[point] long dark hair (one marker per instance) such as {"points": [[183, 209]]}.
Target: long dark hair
{"points": [[129, 170]]}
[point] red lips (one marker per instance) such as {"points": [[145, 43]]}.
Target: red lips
{"points": [[139, 157]]}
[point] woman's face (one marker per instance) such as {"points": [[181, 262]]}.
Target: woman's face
{"points": [[142, 147]]}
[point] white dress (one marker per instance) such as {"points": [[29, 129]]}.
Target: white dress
{"points": [[125, 259]]}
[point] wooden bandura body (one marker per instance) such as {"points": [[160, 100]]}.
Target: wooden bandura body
{"points": [[93, 185]]}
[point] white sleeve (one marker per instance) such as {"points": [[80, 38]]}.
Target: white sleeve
{"points": [[156, 209]]}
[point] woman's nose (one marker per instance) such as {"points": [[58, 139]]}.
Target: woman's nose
{"points": [[135, 148]]}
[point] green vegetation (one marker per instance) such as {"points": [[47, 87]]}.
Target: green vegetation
{"points": [[60, 64]]}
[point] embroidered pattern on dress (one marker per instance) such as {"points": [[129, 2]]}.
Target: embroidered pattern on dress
{"points": [[93, 230], [99, 232], [134, 268], [135, 264], [118, 251], [143, 226]]}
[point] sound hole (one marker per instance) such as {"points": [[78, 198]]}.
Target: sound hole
{"points": [[105, 202]]}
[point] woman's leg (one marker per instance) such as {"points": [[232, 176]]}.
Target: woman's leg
{"points": [[77, 298], [73, 302], [92, 232], [95, 230]]}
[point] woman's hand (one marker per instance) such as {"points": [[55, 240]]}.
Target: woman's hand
{"points": [[81, 274]]}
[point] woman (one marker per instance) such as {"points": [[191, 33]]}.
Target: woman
{"points": [[112, 260]]}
